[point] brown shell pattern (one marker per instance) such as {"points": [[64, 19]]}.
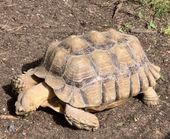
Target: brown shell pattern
{"points": [[97, 68]]}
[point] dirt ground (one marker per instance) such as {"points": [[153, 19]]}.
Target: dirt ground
{"points": [[26, 29]]}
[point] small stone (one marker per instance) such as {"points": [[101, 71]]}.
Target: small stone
{"points": [[104, 126], [4, 59], [83, 23], [161, 113], [4, 109], [119, 124], [11, 128], [136, 119], [23, 133]]}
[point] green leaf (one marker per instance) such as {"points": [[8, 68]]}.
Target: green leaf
{"points": [[151, 25]]}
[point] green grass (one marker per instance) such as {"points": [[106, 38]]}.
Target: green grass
{"points": [[160, 7]]}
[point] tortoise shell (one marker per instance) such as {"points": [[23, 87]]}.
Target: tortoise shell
{"points": [[97, 68]]}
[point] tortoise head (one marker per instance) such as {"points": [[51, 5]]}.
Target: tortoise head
{"points": [[23, 106], [33, 98]]}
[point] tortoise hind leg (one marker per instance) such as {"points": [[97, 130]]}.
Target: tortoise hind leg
{"points": [[80, 118], [23, 82], [150, 97]]}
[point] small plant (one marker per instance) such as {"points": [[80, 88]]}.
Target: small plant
{"points": [[125, 27], [151, 25], [120, 29], [160, 7], [166, 30], [128, 25], [143, 2], [140, 15]]}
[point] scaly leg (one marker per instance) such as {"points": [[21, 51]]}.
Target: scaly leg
{"points": [[150, 97], [80, 118], [23, 82]]}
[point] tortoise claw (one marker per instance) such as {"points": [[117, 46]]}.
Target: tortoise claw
{"points": [[151, 102], [81, 119]]}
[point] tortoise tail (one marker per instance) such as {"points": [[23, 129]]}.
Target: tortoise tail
{"points": [[152, 73], [155, 70]]}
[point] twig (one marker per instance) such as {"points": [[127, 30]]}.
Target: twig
{"points": [[10, 5], [143, 31], [9, 28], [117, 6], [129, 12], [5, 27], [6, 117], [148, 48], [3, 53], [19, 128], [18, 28]]}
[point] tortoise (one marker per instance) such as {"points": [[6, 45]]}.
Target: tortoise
{"points": [[88, 73]]}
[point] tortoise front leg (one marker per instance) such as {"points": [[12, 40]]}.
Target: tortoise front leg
{"points": [[150, 97], [80, 118], [23, 82]]}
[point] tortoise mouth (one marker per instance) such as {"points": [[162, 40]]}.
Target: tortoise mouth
{"points": [[22, 113], [20, 110]]}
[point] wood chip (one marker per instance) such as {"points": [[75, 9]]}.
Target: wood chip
{"points": [[8, 117], [5, 27]]}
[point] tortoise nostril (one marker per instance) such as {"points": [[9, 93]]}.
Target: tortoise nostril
{"points": [[20, 109]]}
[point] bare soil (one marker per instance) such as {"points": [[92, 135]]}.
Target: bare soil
{"points": [[26, 29]]}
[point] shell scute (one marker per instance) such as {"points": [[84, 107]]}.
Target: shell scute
{"points": [[122, 54], [78, 69], [109, 90], [123, 86], [134, 84], [103, 63], [92, 93]]}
